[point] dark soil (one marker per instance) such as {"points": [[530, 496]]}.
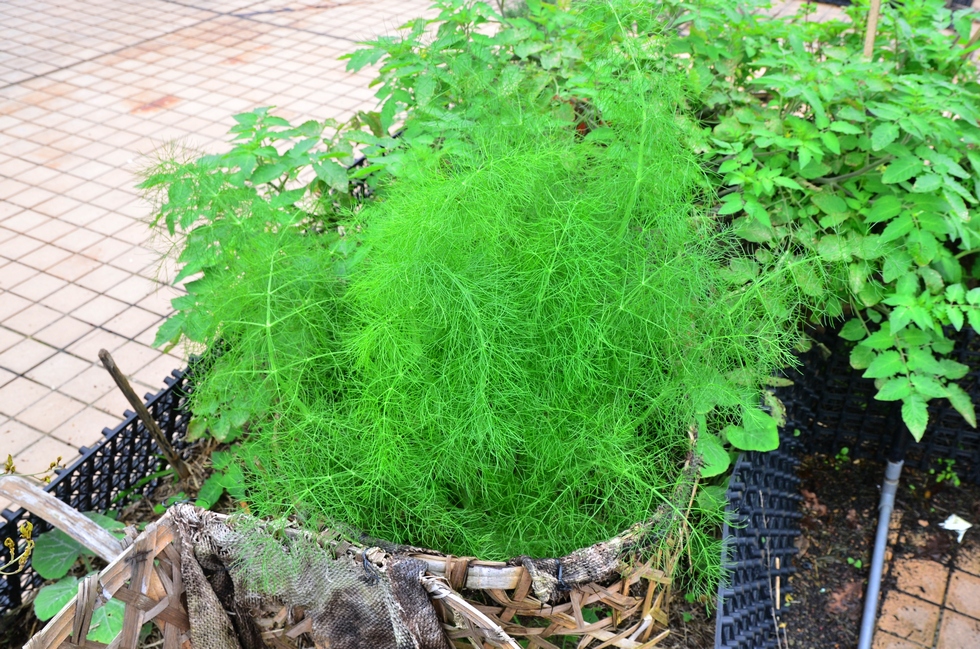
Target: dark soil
{"points": [[840, 518]]}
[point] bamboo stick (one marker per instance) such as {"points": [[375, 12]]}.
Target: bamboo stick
{"points": [[872, 31]]}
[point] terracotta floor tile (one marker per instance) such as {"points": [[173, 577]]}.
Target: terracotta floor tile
{"points": [[19, 394], [63, 332], [968, 557], [37, 457], [15, 437], [81, 429], [50, 412], [32, 319], [958, 632], [69, 298], [964, 594], [39, 286], [888, 641], [909, 618], [73, 267], [14, 273]]}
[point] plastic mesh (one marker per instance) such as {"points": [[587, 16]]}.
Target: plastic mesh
{"points": [[99, 478]]}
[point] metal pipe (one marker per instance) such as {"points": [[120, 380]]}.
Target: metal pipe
{"points": [[885, 506]]}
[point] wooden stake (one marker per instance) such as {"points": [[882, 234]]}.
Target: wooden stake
{"points": [[151, 425], [777, 584], [872, 31]]}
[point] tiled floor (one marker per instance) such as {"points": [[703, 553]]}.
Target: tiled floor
{"points": [[87, 90], [932, 603]]}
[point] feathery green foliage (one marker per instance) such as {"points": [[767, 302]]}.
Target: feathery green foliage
{"points": [[539, 319]]}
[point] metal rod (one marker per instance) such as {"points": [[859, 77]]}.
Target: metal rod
{"points": [[151, 425]]}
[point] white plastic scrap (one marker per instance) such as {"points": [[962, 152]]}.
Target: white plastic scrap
{"points": [[956, 524]]}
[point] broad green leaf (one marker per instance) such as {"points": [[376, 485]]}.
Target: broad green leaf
{"points": [[265, 173], [927, 183], [833, 247], [881, 339], [211, 491], [898, 228], [829, 203], [846, 128], [973, 317], [955, 315], [713, 455], [962, 402], [731, 204], [853, 330], [333, 174], [902, 169], [956, 204], [861, 357], [895, 389], [830, 141], [107, 621], [53, 597], [883, 135], [915, 414], [884, 208], [758, 432], [885, 364], [54, 554], [928, 387]]}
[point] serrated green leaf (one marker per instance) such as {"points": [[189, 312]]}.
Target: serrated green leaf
{"points": [[846, 127], [714, 457], [895, 389], [211, 491], [883, 135], [831, 142], [928, 387], [956, 204], [915, 414], [758, 432], [861, 357], [973, 317], [267, 172], [884, 208], [962, 402], [885, 364], [833, 247], [952, 370], [902, 169], [53, 597], [731, 204], [881, 339], [898, 228], [333, 174], [927, 183], [829, 203], [853, 330], [955, 315]]}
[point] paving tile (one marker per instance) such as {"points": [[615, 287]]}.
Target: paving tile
{"points": [[159, 301], [909, 618], [63, 332], [964, 594], [50, 230], [18, 246], [133, 290], [37, 458], [32, 319], [50, 412], [81, 430], [24, 355], [6, 377], [73, 267], [44, 257], [88, 346], [19, 394], [90, 385], [69, 298], [14, 273], [15, 437], [11, 304], [113, 402], [103, 278], [39, 286], [153, 373], [9, 338], [106, 249], [132, 322], [57, 370], [99, 310], [25, 221], [958, 632], [79, 239]]}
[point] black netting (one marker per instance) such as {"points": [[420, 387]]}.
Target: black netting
{"points": [[106, 476]]}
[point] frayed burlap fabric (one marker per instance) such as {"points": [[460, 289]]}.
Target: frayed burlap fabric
{"points": [[236, 571]]}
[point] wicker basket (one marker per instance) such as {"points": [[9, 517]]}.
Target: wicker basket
{"points": [[497, 604]]}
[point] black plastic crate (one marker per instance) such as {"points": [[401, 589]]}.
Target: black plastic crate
{"points": [[763, 512], [99, 479], [833, 407]]}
